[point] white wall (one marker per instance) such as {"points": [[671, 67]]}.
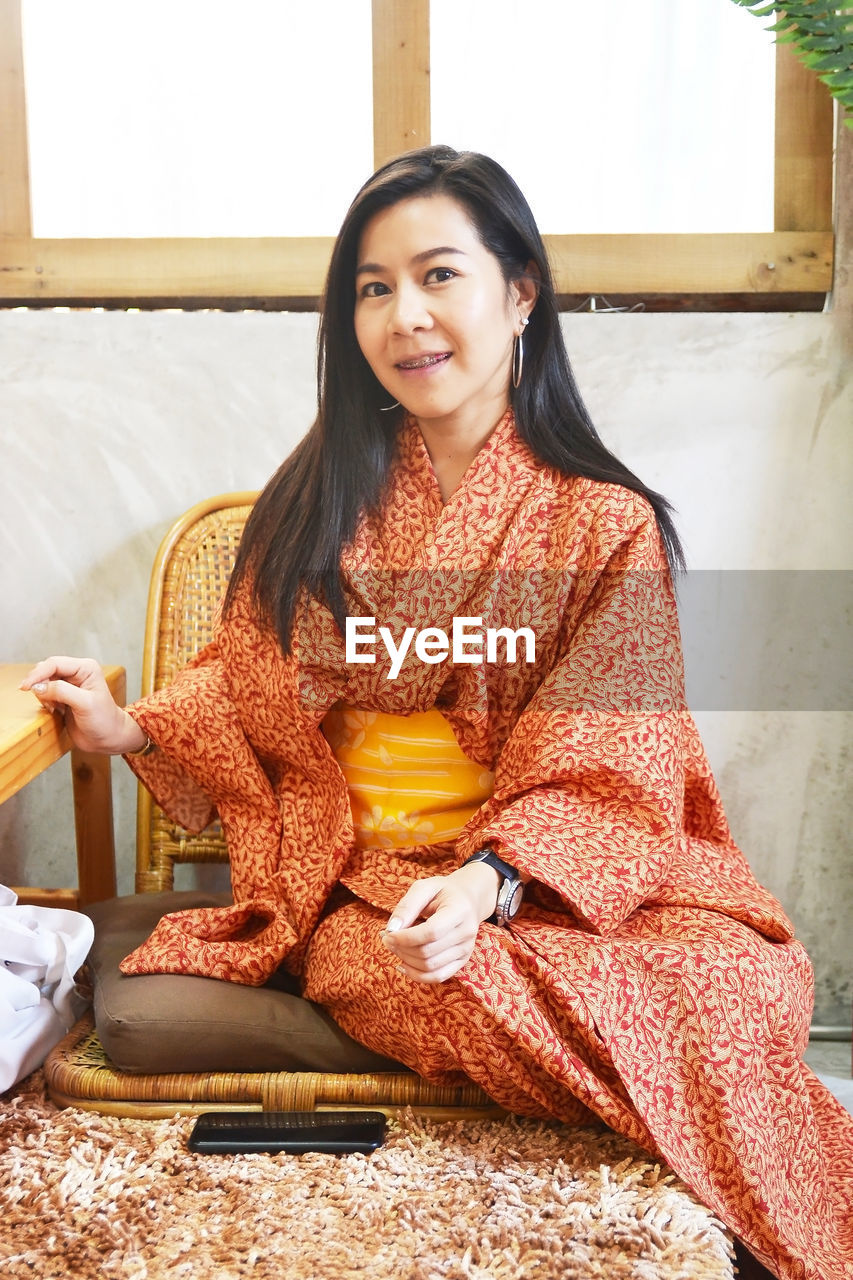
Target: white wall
{"points": [[111, 424]]}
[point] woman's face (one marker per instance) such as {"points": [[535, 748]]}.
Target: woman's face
{"points": [[433, 315]]}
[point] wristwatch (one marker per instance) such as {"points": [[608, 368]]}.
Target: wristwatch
{"points": [[511, 891]]}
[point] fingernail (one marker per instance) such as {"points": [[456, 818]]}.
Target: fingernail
{"points": [[393, 925], [40, 687]]}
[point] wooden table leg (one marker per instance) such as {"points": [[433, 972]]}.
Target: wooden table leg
{"points": [[93, 823], [93, 813]]}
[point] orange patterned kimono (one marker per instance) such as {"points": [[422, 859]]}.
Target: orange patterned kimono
{"points": [[648, 980]]}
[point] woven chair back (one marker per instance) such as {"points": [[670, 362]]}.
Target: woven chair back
{"points": [[188, 580]]}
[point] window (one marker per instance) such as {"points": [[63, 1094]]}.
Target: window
{"points": [[237, 219], [197, 118], [630, 117]]}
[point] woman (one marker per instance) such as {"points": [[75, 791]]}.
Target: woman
{"points": [[452, 565]]}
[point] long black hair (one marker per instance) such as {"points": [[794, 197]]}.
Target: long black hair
{"points": [[309, 510]]}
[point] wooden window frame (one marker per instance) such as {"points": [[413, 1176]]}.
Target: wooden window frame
{"points": [[791, 265]]}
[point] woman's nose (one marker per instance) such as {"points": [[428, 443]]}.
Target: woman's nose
{"points": [[409, 311]]}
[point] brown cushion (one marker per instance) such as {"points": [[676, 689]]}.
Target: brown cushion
{"points": [[170, 1022]]}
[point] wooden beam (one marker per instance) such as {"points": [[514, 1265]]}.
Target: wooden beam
{"points": [[15, 218], [842, 285], [164, 268], [734, 263], [769, 262], [401, 89], [803, 148]]}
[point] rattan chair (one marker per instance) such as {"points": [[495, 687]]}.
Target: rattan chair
{"points": [[189, 577]]}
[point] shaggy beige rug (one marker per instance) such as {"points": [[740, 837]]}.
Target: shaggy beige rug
{"points": [[93, 1197]]}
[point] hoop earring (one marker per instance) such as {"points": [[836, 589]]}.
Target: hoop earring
{"points": [[518, 355], [388, 407]]}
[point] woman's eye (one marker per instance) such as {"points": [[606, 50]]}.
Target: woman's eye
{"points": [[440, 274], [373, 289]]}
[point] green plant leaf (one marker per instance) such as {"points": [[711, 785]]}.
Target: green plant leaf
{"points": [[838, 79], [822, 38], [835, 28], [819, 62], [820, 44]]}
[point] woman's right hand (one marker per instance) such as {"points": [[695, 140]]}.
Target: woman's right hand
{"points": [[77, 688]]}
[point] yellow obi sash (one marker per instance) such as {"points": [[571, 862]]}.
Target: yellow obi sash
{"points": [[409, 781]]}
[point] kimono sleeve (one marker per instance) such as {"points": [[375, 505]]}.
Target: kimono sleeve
{"points": [[203, 759], [589, 787]]}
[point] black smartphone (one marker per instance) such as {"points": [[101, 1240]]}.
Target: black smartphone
{"points": [[338, 1132]]}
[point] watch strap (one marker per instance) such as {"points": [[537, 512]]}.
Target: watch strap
{"points": [[511, 887]]}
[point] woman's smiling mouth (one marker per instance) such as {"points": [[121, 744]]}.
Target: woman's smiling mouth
{"points": [[423, 362]]}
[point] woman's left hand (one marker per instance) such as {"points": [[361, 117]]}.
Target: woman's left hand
{"points": [[434, 926]]}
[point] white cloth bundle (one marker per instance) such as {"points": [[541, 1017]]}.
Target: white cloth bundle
{"points": [[41, 949]]}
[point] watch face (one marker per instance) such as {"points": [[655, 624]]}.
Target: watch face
{"points": [[514, 901], [509, 901]]}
